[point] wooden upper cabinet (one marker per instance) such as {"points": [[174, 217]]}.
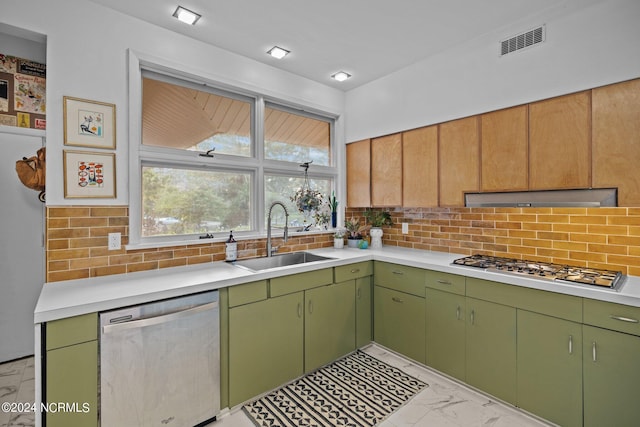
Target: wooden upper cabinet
{"points": [[359, 174], [459, 151], [386, 170], [559, 142], [616, 140], [420, 167], [505, 150]]}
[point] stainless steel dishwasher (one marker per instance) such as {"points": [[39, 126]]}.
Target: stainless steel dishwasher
{"points": [[160, 363]]}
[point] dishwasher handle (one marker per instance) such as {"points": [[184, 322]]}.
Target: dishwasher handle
{"points": [[164, 318]]}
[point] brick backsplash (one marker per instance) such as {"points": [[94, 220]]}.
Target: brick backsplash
{"points": [[77, 245], [592, 237]]}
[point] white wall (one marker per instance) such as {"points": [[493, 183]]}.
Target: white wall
{"points": [[87, 48], [596, 45]]}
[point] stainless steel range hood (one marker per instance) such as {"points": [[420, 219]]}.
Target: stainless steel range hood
{"points": [[597, 197]]}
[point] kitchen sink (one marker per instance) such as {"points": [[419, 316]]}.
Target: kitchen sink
{"points": [[283, 260]]}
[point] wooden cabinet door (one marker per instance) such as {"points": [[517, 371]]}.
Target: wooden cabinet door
{"points": [[398, 322], [491, 348], [559, 143], [459, 151], [329, 324], [550, 368], [265, 345], [445, 332], [611, 378], [359, 174], [386, 170], [616, 140], [505, 150], [420, 167]]}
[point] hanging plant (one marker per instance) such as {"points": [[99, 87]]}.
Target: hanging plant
{"points": [[306, 199]]}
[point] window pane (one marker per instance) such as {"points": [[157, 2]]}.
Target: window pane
{"points": [[182, 201], [296, 138], [282, 188], [176, 116]]}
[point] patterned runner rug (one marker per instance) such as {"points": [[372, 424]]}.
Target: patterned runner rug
{"points": [[357, 390]]}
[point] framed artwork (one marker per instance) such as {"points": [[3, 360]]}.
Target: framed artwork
{"points": [[89, 123], [89, 175]]}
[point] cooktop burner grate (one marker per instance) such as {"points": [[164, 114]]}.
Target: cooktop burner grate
{"points": [[548, 271]]}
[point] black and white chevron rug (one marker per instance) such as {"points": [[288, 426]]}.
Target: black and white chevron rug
{"points": [[357, 390]]}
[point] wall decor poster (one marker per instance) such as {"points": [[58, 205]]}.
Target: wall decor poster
{"points": [[29, 93], [4, 95], [89, 123], [8, 64], [89, 175]]}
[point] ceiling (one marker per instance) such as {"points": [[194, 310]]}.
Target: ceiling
{"points": [[366, 38]]}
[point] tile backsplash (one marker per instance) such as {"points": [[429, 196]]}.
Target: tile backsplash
{"points": [[77, 245], [593, 237]]}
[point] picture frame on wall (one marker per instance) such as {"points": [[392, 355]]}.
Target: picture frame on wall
{"points": [[89, 123], [89, 174]]}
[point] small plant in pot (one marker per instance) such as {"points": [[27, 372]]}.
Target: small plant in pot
{"points": [[377, 219], [355, 231], [338, 239]]}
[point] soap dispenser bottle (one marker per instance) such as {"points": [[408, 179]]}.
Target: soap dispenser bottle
{"points": [[231, 248]]}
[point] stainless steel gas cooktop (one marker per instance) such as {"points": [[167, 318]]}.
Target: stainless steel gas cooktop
{"points": [[607, 279]]}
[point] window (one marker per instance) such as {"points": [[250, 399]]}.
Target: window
{"points": [[208, 166]]}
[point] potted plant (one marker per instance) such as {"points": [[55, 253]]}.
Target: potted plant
{"points": [[355, 231], [338, 239], [377, 219], [333, 204]]}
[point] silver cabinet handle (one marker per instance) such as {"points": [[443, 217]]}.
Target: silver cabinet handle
{"points": [[310, 307], [624, 319], [358, 293], [299, 310], [473, 317], [594, 354], [570, 344], [458, 313], [355, 270], [400, 273], [444, 282], [394, 299]]}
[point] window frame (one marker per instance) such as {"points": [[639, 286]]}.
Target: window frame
{"points": [[256, 164]]}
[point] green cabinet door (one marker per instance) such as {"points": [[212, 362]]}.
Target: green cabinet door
{"points": [[445, 332], [364, 319], [330, 324], [399, 322], [72, 378], [491, 348], [611, 362], [550, 368], [265, 345]]}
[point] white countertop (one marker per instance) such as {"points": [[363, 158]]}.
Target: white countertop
{"points": [[75, 297]]}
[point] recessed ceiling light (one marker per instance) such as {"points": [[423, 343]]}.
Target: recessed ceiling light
{"points": [[341, 76], [187, 16], [278, 52]]}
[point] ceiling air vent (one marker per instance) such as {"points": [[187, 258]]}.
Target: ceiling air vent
{"points": [[522, 40]]}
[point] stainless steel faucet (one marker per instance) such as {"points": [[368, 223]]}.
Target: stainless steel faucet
{"points": [[271, 250]]}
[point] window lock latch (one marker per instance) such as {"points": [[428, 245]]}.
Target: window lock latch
{"points": [[208, 153]]}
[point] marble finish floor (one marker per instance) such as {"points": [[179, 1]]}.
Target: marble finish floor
{"points": [[17, 384], [444, 403]]}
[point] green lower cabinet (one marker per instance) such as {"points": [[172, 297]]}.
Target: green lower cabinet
{"points": [[265, 345], [491, 348], [550, 368], [445, 332], [611, 362], [399, 322], [72, 379], [364, 318], [329, 324]]}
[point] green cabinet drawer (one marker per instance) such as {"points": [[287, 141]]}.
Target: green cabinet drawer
{"points": [[72, 330], [550, 303], [446, 282], [300, 282], [400, 277], [247, 293], [353, 271], [617, 317]]}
